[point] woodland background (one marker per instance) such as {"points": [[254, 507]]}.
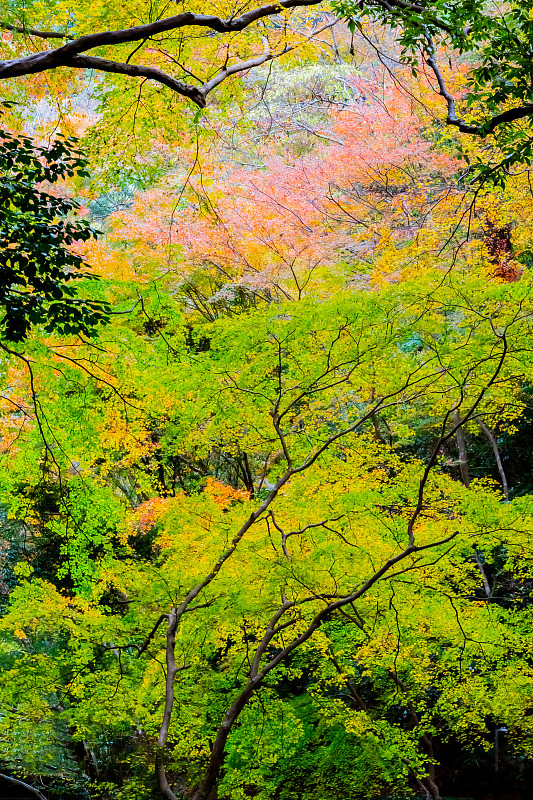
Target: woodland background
{"points": [[266, 409]]}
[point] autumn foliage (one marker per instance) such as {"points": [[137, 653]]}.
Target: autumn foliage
{"points": [[268, 534]]}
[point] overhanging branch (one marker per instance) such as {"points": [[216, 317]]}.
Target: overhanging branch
{"points": [[258, 60], [137, 70], [481, 129], [70, 54]]}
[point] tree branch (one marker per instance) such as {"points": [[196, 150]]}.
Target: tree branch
{"points": [[151, 635], [481, 129], [137, 70], [285, 536], [445, 436], [256, 677], [21, 785], [7, 26], [393, 398], [69, 55], [257, 61], [452, 118]]}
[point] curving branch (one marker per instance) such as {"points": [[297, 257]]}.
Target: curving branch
{"points": [[257, 675], [511, 115], [483, 128], [140, 71], [174, 618], [70, 54], [452, 118], [258, 60], [22, 785], [408, 556]]}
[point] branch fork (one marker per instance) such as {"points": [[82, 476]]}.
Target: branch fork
{"points": [[74, 53]]}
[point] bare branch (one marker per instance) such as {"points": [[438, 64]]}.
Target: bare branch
{"points": [[285, 536], [270, 632], [151, 634], [257, 61], [452, 118]]}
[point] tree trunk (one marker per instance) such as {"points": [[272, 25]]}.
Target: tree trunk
{"points": [[461, 447], [494, 444], [428, 782], [377, 430], [481, 568]]}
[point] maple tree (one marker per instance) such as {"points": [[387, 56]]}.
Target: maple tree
{"points": [[497, 98], [317, 375], [265, 536]]}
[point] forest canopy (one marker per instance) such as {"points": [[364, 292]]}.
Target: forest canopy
{"points": [[266, 417]]}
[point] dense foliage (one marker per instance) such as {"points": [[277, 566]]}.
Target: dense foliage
{"points": [[267, 532], [37, 264]]}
